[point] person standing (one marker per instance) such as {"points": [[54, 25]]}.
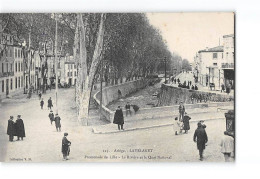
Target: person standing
{"points": [[127, 108], [20, 128], [40, 95], [201, 138], [50, 103], [181, 111], [57, 122], [11, 129], [176, 126], [51, 116], [227, 146], [186, 123], [65, 148], [119, 118], [222, 88], [42, 103]]}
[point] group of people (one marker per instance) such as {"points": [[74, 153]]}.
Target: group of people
{"points": [[119, 116], [15, 128], [200, 135], [50, 105], [188, 85]]}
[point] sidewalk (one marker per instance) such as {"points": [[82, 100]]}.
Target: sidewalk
{"points": [[152, 123]]}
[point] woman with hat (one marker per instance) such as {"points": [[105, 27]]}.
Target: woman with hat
{"points": [[186, 123], [65, 148]]}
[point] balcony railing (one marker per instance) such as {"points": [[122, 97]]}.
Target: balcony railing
{"points": [[5, 74], [227, 65]]}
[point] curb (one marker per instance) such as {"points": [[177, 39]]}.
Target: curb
{"points": [[95, 131]]}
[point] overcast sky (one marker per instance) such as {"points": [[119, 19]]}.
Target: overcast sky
{"points": [[187, 33]]}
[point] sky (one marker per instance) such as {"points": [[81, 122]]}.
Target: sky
{"points": [[187, 33]]}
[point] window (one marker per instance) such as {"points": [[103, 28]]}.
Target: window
{"points": [[22, 66], [7, 67], [11, 85], [19, 66], [15, 55], [15, 66], [75, 73], [74, 65], [11, 67], [15, 82], [68, 74], [215, 64], [21, 81], [18, 53], [3, 70], [215, 55], [19, 85], [3, 86]]}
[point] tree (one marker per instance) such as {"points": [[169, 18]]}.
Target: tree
{"points": [[186, 65]]}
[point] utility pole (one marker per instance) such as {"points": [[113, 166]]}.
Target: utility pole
{"points": [[101, 88], [165, 69], [55, 63]]}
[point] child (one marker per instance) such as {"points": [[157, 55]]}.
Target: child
{"points": [[177, 126]]}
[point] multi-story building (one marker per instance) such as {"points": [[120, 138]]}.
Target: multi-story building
{"points": [[216, 65], [67, 71]]}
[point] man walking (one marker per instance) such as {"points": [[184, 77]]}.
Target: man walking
{"points": [[51, 116], [42, 103], [49, 103], [181, 111], [20, 128], [186, 123], [65, 148], [227, 146], [11, 129], [119, 118], [57, 122], [200, 136]]}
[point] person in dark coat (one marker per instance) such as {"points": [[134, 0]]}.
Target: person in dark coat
{"points": [[50, 103], [51, 116], [42, 103], [127, 108], [57, 122], [40, 95], [181, 111], [119, 118], [11, 129], [20, 132], [196, 87], [200, 136], [186, 123], [135, 107], [65, 148]]}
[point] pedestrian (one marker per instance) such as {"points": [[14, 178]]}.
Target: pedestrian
{"points": [[201, 138], [50, 103], [51, 116], [135, 107], [40, 95], [57, 122], [222, 88], [11, 129], [186, 123], [65, 148], [127, 108], [42, 103], [227, 146], [119, 118], [176, 126], [196, 87], [20, 131], [181, 111]]}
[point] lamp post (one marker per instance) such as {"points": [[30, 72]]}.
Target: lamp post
{"points": [[165, 69], [55, 63]]}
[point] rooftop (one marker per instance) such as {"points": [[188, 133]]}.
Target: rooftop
{"points": [[214, 49]]}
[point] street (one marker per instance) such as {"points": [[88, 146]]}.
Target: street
{"points": [[43, 144]]}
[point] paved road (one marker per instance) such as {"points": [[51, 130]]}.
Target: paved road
{"points": [[43, 143]]}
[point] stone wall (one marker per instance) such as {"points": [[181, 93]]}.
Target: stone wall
{"points": [[171, 95], [112, 93]]}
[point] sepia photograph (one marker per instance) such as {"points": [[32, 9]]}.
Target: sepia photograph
{"points": [[117, 87]]}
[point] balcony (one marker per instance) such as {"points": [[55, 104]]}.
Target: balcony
{"points": [[6, 74], [227, 65]]}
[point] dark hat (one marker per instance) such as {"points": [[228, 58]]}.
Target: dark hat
{"points": [[51, 111], [11, 117], [65, 134], [176, 118], [56, 114], [19, 115]]}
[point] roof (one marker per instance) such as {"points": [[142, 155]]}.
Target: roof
{"points": [[214, 49]]}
